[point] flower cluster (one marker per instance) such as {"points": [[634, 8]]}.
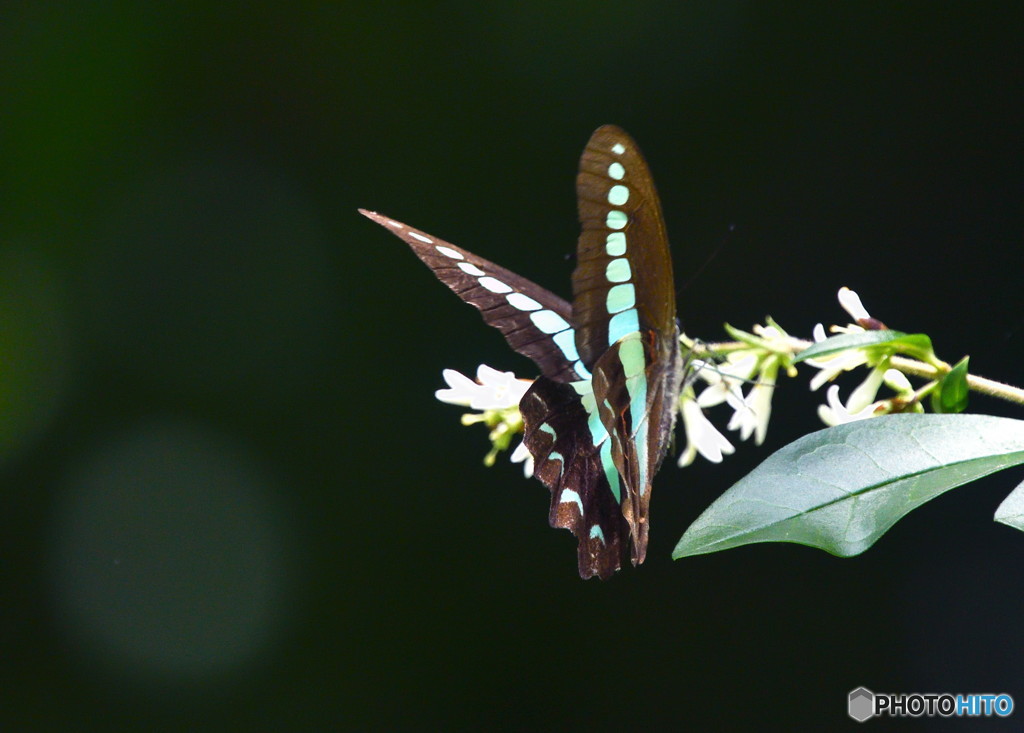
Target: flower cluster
{"points": [[861, 403], [755, 362], [741, 375], [496, 395]]}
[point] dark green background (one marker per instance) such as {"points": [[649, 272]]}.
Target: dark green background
{"points": [[229, 499]]}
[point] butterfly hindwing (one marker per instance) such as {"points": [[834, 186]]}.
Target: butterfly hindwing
{"points": [[569, 463], [535, 322], [635, 390]]}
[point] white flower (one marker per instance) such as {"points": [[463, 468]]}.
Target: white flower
{"points": [[767, 349], [860, 405], [897, 381], [522, 455], [725, 381], [752, 416], [492, 390], [852, 305], [775, 339], [864, 394], [836, 413], [701, 436], [833, 365], [496, 395]]}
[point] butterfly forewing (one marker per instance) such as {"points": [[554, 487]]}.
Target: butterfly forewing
{"points": [[623, 279], [535, 322]]}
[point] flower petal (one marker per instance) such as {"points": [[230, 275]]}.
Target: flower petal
{"points": [[702, 436], [850, 302], [833, 366], [460, 388], [864, 394], [522, 455], [897, 381]]}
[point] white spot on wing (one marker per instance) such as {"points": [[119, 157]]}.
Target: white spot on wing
{"points": [[568, 496], [420, 237], [471, 269], [523, 302], [618, 149], [548, 321], [395, 224], [495, 286], [449, 252]]}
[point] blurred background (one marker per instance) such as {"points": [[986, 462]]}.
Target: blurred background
{"points": [[229, 498]]}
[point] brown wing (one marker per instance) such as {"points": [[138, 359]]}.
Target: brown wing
{"points": [[535, 322], [623, 279]]}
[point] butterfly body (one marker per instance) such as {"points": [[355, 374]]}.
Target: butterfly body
{"points": [[598, 420]]}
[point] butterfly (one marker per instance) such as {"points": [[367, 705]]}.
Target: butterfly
{"points": [[599, 419]]}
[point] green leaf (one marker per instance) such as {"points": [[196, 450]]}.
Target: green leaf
{"points": [[1011, 511], [842, 488], [952, 392], [917, 345]]}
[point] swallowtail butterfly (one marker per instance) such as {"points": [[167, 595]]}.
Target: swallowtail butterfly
{"points": [[598, 420]]}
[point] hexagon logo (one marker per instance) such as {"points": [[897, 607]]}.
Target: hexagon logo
{"points": [[861, 704]]}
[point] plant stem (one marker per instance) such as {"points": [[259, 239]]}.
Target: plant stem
{"points": [[989, 387], [913, 367]]}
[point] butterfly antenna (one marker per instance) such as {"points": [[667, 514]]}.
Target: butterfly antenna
{"points": [[710, 258]]}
